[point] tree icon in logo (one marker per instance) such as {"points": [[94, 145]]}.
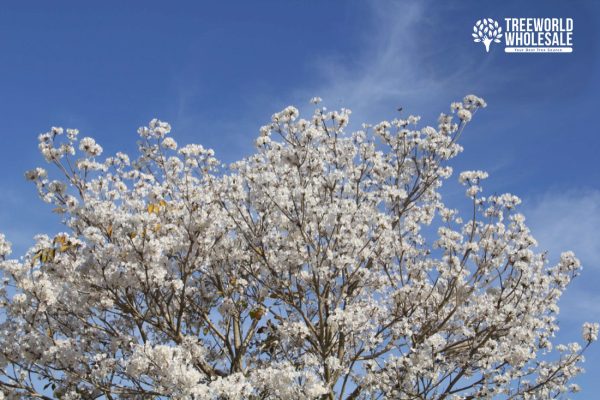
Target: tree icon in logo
{"points": [[486, 30]]}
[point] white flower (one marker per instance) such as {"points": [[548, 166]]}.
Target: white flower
{"points": [[464, 114], [473, 101], [55, 130], [160, 128], [574, 388], [472, 177], [262, 140], [34, 174], [19, 298], [169, 143], [4, 246], [590, 331], [72, 134], [90, 147]]}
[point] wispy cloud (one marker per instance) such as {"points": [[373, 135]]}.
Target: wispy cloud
{"points": [[394, 65], [399, 59], [570, 220], [385, 64], [385, 71]]}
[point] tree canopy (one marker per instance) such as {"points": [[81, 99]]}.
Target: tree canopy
{"points": [[323, 266]]}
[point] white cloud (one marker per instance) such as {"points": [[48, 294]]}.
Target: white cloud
{"points": [[570, 220], [385, 72], [399, 60], [398, 63], [384, 66], [567, 221]]}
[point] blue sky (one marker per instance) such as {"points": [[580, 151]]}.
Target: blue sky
{"points": [[218, 70]]}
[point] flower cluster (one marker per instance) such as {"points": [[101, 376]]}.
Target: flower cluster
{"points": [[590, 332]]}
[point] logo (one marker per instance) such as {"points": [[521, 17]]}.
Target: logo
{"points": [[526, 35], [487, 31]]}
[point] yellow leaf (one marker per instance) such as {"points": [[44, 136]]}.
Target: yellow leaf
{"points": [[151, 208], [64, 248], [156, 228], [162, 203], [60, 239], [132, 235], [109, 231], [257, 313], [47, 255]]}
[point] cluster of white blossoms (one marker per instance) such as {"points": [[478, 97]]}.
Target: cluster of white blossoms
{"points": [[590, 332], [300, 272], [90, 147]]}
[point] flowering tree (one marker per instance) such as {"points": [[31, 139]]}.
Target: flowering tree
{"points": [[301, 272]]}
